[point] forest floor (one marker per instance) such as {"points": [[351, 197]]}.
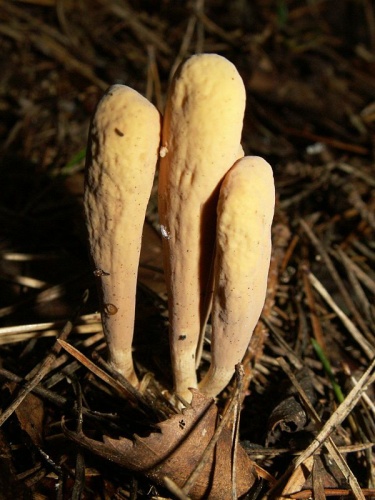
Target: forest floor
{"points": [[309, 72]]}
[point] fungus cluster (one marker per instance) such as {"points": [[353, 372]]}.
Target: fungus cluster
{"points": [[215, 207]]}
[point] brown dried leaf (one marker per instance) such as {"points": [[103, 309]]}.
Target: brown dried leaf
{"points": [[30, 414], [176, 450]]}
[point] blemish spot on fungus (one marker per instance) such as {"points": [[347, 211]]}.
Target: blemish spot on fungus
{"points": [[182, 337], [182, 424], [118, 132], [98, 273], [163, 152], [110, 309], [165, 233]]}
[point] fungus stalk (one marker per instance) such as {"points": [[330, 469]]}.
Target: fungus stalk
{"points": [[122, 154], [200, 142], [243, 251]]}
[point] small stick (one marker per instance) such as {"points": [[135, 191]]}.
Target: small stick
{"points": [[288, 253], [367, 348], [335, 275], [46, 365], [50, 293], [79, 476], [331, 492], [316, 326], [355, 199], [125, 391], [184, 47], [145, 402], [199, 9], [236, 428], [330, 141], [330, 445], [289, 352], [340, 414], [153, 79], [356, 172], [57, 400], [360, 273], [175, 489], [357, 288], [50, 396]]}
